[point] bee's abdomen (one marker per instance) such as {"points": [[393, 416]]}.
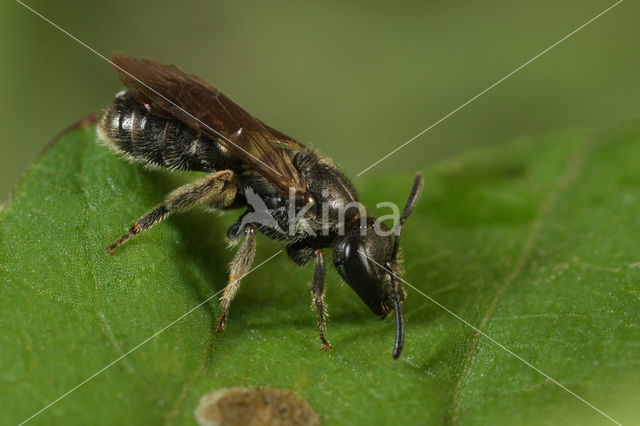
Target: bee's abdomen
{"points": [[134, 130]]}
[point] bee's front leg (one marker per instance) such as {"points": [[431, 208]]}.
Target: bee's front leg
{"points": [[239, 268]]}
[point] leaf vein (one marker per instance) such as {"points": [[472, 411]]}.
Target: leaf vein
{"points": [[566, 178]]}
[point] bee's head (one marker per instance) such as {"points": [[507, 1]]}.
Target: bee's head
{"points": [[362, 257], [367, 259]]}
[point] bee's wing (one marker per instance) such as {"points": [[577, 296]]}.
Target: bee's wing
{"points": [[204, 108]]}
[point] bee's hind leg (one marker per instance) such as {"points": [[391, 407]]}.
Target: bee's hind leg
{"points": [[215, 189], [238, 269]]}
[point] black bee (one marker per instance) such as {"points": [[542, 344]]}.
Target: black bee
{"points": [[172, 119]]}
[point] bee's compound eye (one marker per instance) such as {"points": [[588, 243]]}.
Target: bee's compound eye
{"points": [[358, 259]]}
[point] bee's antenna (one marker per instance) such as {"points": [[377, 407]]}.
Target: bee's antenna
{"points": [[397, 303], [408, 208], [397, 307]]}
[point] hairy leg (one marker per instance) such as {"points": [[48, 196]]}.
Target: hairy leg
{"points": [[317, 291], [239, 267], [215, 189]]}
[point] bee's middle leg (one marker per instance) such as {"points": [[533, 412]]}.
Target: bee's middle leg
{"points": [[215, 189], [301, 255], [317, 290]]}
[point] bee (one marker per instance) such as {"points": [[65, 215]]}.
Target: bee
{"points": [[170, 119]]}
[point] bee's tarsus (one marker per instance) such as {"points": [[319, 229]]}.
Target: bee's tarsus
{"points": [[222, 322]]}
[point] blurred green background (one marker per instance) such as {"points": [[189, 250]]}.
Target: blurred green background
{"points": [[354, 79]]}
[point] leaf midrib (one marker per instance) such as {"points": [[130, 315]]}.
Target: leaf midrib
{"points": [[566, 178]]}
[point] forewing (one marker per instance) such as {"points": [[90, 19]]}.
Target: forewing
{"points": [[204, 108]]}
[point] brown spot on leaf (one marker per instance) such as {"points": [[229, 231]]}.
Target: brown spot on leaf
{"points": [[254, 407]]}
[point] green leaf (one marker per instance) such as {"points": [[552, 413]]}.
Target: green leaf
{"points": [[536, 244]]}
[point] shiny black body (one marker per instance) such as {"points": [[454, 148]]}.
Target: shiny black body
{"points": [[159, 141], [171, 119], [165, 142]]}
